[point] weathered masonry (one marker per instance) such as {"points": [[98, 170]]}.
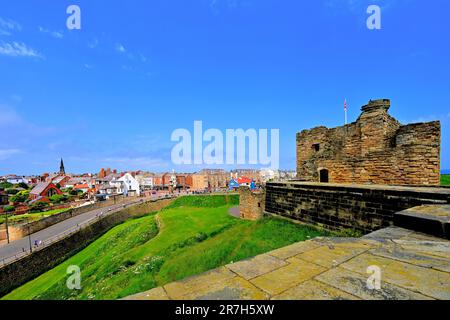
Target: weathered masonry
{"points": [[251, 204], [364, 208], [376, 149]]}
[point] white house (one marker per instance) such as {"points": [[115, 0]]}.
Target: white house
{"points": [[130, 185], [146, 182], [16, 179]]}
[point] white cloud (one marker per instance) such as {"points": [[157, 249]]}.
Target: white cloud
{"points": [[93, 44], [120, 48], [135, 57], [217, 6], [135, 163], [143, 58], [18, 49], [54, 34], [88, 66], [8, 153], [7, 26], [57, 34], [9, 117], [4, 33]]}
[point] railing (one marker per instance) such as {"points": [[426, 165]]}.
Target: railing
{"points": [[46, 243]]}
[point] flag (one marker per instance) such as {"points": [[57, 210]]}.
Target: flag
{"points": [[345, 110]]}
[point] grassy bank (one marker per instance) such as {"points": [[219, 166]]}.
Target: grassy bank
{"points": [[12, 219], [195, 234], [445, 179]]}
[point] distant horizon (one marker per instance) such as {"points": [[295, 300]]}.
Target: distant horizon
{"points": [[122, 171], [443, 171]]}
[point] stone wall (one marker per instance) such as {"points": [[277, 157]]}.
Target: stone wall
{"points": [[376, 149], [22, 230], [357, 207], [15, 274], [251, 204]]}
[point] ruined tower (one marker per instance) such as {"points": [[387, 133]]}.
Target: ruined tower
{"points": [[376, 149]]}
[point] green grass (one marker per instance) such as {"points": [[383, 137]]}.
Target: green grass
{"points": [[195, 236], [445, 179], [207, 201], [30, 216]]}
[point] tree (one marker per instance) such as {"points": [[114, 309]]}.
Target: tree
{"points": [[38, 207], [5, 185], [12, 191], [9, 209], [23, 185], [58, 198], [20, 197], [74, 192]]}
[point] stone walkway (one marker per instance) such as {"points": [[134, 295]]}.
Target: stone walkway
{"points": [[412, 265]]}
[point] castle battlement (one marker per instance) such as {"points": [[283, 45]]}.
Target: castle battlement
{"points": [[376, 149]]}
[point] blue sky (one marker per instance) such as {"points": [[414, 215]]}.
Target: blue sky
{"points": [[110, 94]]}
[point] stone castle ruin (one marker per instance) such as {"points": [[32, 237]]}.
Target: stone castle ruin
{"points": [[376, 149]]}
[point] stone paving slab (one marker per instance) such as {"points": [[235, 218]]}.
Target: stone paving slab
{"points": [[314, 290], [418, 258], [235, 288], [356, 284], [412, 265], [282, 279], [333, 255], [429, 282], [295, 249], [252, 268], [154, 294]]}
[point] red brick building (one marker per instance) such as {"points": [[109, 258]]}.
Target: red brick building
{"points": [[43, 191]]}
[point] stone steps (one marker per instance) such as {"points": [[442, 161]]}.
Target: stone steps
{"points": [[430, 219]]}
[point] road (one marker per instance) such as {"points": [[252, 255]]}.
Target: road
{"points": [[23, 245]]}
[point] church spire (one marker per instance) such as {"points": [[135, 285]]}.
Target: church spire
{"points": [[62, 171]]}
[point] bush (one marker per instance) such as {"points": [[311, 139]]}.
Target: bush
{"points": [[5, 185], [21, 197], [9, 209], [75, 192], [23, 185], [58, 198], [38, 207], [12, 191]]}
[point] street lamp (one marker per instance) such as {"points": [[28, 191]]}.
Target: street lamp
{"points": [[7, 230], [29, 234]]}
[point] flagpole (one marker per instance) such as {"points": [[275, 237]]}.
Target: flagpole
{"points": [[345, 111], [346, 117]]}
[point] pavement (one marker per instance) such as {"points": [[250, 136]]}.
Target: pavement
{"points": [[389, 264], [20, 246]]}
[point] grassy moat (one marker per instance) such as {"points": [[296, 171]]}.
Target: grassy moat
{"points": [[195, 234]]}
